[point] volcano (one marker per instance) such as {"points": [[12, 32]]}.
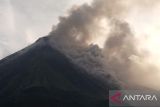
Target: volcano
{"points": [[42, 76]]}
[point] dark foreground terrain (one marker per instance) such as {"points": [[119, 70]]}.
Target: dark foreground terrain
{"points": [[41, 76]]}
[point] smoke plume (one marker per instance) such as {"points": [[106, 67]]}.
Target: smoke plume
{"points": [[119, 56]]}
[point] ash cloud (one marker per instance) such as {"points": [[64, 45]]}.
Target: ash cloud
{"points": [[118, 48], [119, 57]]}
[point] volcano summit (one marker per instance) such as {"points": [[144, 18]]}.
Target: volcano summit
{"points": [[40, 75]]}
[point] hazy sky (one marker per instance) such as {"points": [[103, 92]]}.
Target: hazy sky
{"points": [[23, 21]]}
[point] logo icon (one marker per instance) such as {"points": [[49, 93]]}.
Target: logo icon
{"points": [[116, 98]]}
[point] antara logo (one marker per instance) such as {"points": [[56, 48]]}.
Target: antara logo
{"points": [[122, 98], [140, 98]]}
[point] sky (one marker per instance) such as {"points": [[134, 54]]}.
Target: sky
{"points": [[24, 21]]}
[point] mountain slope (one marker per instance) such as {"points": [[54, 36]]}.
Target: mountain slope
{"points": [[42, 76]]}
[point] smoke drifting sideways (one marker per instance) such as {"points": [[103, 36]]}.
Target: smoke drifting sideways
{"points": [[103, 22]]}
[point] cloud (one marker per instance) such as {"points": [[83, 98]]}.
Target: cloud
{"points": [[119, 57]]}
